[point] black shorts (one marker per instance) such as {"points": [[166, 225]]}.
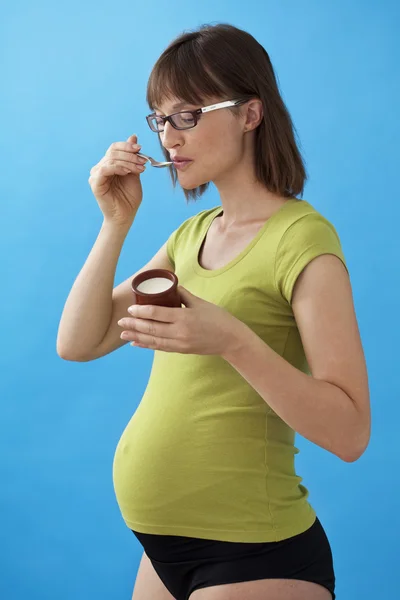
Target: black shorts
{"points": [[185, 564]]}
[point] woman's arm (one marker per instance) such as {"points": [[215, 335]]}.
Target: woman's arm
{"points": [[331, 408]]}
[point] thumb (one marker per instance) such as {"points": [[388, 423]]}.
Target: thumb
{"points": [[188, 299], [133, 139]]}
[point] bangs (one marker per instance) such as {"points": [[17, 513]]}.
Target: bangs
{"points": [[181, 73]]}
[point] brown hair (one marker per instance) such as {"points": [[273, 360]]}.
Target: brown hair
{"points": [[228, 62]]}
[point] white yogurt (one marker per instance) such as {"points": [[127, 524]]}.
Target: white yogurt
{"points": [[155, 285]]}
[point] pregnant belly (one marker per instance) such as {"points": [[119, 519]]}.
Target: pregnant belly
{"points": [[151, 463], [165, 470]]}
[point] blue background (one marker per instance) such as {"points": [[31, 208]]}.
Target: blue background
{"points": [[73, 81]]}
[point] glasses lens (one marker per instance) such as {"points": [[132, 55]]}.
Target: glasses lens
{"points": [[184, 120], [156, 124]]}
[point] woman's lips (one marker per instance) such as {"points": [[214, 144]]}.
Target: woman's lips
{"points": [[181, 164]]}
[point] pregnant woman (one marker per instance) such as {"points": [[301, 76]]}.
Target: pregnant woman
{"points": [[265, 345]]}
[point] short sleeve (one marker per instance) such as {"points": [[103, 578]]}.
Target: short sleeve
{"points": [[309, 237], [171, 247]]}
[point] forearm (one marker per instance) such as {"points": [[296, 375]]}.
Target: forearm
{"points": [[319, 411], [88, 309]]}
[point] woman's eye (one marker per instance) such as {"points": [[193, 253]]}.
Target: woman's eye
{"points": [[186, 117]]}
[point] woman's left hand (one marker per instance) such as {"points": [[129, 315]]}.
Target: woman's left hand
{"points": [[200, 328]]}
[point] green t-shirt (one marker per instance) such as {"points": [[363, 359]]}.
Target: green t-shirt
{"points": [[204, 455]]}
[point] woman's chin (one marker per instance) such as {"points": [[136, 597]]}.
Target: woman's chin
{"points": [[191, 184]]}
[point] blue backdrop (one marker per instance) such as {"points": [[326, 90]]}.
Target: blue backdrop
{"points": [[73, 78]]}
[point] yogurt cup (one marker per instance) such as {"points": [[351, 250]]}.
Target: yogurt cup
{"points": [[156, 286]]}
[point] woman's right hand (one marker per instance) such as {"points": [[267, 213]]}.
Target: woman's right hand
{"points": [[115, 182]]}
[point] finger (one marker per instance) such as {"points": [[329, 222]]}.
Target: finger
{"points": [[141, 338], [129, 336], [126, 164], [156, 328], [124, 147], [126, 323], [121, 155], [107, 168], [153, 312], [156, 343]]}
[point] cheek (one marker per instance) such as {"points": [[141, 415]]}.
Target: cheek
{"points": [[217, 149], [222, 152]]}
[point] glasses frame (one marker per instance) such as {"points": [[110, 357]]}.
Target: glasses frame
{"points": [[195, 113]]}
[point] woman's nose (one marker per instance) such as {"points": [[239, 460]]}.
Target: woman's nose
{"points": [[170, 136]]}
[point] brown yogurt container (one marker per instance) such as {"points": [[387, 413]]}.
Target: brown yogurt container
{"points": [[169, 297]]}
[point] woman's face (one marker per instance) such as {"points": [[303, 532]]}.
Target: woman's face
{"points": [[214, 146]]}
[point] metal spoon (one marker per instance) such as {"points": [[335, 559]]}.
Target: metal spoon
{"points": [[154, 163]]}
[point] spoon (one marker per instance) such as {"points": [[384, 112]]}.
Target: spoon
{"points": [[154, 163]]}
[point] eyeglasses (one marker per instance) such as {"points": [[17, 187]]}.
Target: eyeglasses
{"points": [[188, 118]]}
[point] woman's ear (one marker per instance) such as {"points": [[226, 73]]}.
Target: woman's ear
{"points": [[254, 114]]}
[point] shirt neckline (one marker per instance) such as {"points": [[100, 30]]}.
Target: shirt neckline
{"points": [[214, 214]]}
